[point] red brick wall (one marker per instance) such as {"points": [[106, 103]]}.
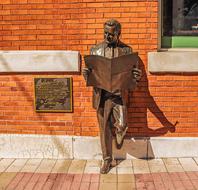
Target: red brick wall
{"points": [[158, 102]]}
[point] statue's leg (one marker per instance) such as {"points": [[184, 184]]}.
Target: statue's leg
{"points": [[120, 117], [120, 122], [103, 115]]}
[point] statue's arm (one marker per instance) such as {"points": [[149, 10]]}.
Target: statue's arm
{"points": [[86, 71], [136, 72]]}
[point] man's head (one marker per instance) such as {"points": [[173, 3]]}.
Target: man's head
{"points": [[112, 31]]}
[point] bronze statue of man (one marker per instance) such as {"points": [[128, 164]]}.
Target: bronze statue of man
{"points": [[111, 107]]}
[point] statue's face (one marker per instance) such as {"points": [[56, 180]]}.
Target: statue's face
{"points": [[110, 35]]}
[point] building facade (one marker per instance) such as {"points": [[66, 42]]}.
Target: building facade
{"points": [[163, 109]]}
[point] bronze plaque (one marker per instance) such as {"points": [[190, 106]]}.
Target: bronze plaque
{"points": [[53, 94]]}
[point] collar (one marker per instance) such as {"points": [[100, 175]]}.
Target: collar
{"points": [[114, 46]]}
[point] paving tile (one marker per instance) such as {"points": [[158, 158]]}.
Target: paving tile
{"points": [[174, 176], [59, 181], [156, 161], [173, 165], [126, 178], [93, 163], [5, 179], [95, 178], [167, 181], [195, 183], [122, 178], [178, 185], [93, 166], [139, 162], [86, 178], [192, 175], [165, 176], [140, 166], [24, 181], [147, 177], [158, 182], [43, 177], [150, 185], [140, 185], [196, 173], [32, 182], [77, 166], [84, 186], [187, 161], [157, 165], [126, 186], [90, 170], [31, 165], [50, 181], [77, 177], [46, 166], [156, 169], [17, 165], [61, 166], [67, 182], [156, 177], [5, 163], [183, 176], [171, 161], [107, 186], [94, 186], [159, 185], [41, 181], [143, 177], [108, 178], [188, 185], [13, 184], [75, 186], [124, 163], [174, 168], [196, 159], [188, 164], [125, 170], [48, 185], [139, 170]]}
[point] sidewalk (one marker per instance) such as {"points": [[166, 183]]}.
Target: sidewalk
{"points": [[46, 174]]}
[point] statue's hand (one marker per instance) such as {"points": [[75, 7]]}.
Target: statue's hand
{"points": [[86, 72], [137, 74]]}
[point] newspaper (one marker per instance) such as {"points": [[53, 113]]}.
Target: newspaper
{"points": [[112, 74]]}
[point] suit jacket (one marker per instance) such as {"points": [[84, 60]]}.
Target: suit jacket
{"points": [[103, 50]]}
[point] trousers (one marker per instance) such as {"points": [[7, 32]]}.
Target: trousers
{"points": [[111, 113]]}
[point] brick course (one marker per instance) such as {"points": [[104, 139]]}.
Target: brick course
{"points": [[158, 102]]}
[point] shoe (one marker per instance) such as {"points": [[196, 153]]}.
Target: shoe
{"points": [[105, 167], [120, 138]]}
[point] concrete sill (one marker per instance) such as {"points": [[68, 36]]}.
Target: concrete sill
{"points": [[39, 61], [173, 62]]}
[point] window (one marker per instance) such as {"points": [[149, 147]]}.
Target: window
{"points": [[179, 23]]}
